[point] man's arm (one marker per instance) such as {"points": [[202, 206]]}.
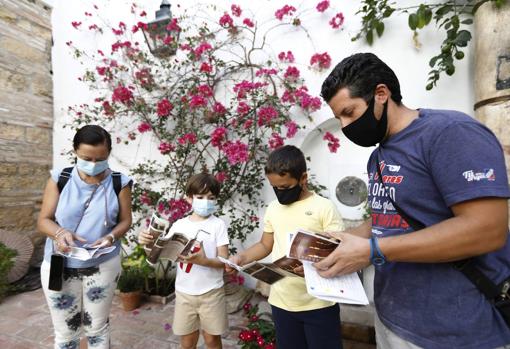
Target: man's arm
{"points": [[478, 226]]}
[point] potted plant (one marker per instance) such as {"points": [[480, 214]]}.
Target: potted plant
{"points": [[130, 285], [160, 285], [6, 263]]}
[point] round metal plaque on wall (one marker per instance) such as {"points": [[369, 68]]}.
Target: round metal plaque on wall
{"points": [[351, 191]]}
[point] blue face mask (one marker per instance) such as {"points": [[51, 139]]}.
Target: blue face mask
{"points": [[91, 168], [204, 207]]}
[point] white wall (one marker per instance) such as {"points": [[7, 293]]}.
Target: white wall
{"points": [[396, 48]]}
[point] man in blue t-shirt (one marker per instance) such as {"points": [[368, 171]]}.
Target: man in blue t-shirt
{"points": [[441, 169]]}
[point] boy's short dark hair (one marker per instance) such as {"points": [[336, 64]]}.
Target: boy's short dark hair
{"points": [[287, 159], [202, 183], [361, 73]]}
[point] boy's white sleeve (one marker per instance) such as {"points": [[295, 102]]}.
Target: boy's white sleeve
{"points": [[222, 235]]}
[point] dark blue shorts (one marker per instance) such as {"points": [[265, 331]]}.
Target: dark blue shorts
{"points": [[312, 329]]}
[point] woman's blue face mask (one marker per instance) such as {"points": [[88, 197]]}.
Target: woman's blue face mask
{"points": [[91, 168]]}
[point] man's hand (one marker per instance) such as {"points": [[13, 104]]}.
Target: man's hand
{"points": [[351, 255]]}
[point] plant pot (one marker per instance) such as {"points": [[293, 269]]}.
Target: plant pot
{"points": [[130, 300]]}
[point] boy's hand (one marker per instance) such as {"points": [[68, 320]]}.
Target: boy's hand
{"points": [[299, 270], [145, 238], [236, 259], [198, 257]]}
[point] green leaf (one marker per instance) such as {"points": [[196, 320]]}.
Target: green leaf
{"points": [[467, 21], [379, 28], [388, 11], [428, 16], [433, 61], [370, 37], [463, 37], [413, 21]]}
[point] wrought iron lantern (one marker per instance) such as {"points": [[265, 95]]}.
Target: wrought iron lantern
{"points": [[160, 36]]}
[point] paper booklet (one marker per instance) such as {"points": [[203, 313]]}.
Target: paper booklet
{"points": [[341, 289], [308, 246], [267, 272], [172, 245], [86, 252]]}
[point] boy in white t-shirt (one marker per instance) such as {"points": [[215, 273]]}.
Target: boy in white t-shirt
{"points": [[200, 297]]}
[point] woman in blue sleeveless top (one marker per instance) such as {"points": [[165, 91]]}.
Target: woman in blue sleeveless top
{"points": [[87, 210]]}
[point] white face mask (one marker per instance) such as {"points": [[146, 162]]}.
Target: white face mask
{"points": [[92, 168], [204, 207]]}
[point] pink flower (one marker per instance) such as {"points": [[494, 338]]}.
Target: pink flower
{"points": [[266, 114], [276, 141], [108, 109], [306, 101], [122, 94], [243, 109], [144, 127], [166, 148], [333, 142], [205, 91], [164, 107], [321, 60], [188, 138], [288, 97], [203, 47], [205, 67], [143, 14], [284, 11], [102, 70], [286, 57], [337, 21], [173, 26], [218, 136], [219, 109], [236, 152], [248, 22], [197, 101], [322, 6], [168, 40], [292, 128], [292, 73], [265, 71], [174, 209], [247, 124], [247, 86], [226, 21], [236, 10], [116, 46], [221, 177], [75, 24], [145, 200]]}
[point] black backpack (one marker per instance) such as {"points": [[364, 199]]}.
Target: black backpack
{"points": [[66, 174]]}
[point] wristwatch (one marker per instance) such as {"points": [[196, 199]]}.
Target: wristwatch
{"points": [[376, 256]]}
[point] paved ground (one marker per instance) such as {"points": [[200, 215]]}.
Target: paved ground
{"points": [[25, 324]]}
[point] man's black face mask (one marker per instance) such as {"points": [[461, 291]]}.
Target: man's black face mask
{"points": [[367, 131]]}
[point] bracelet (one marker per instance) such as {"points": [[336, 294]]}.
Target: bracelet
{"points": [[112, 236], [59, 232], [376, 256]]}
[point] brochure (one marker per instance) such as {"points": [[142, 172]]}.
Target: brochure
{"points": [[172, 245], [308, 246], [86, 252], [267, 272], [341, 289]]}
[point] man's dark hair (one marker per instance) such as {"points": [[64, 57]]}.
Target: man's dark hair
{"points": [[287, 159], [202, 183], [92, 135], [361, 73]]}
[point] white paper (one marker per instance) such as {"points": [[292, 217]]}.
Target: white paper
{"points": [[84, 254], [341, 289]]}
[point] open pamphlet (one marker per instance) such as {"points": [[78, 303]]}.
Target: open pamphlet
{"points": [[341, 289], [308, 246], [86, 252], [267, 272]]}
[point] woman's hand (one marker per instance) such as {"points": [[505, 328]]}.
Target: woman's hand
{"points": [[145, 238], [105, 241], [65, 240]]}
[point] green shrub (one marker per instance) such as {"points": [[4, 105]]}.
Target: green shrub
{"points": [[6, 263], [130, 280]]}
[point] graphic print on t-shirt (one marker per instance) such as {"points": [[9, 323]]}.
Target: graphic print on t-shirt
{"points": [[384, 214]]}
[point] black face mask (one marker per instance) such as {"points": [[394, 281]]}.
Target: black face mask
{"points": [[367, 130], [288, 196]]}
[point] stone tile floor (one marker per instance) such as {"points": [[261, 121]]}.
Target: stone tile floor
{"points": [[25, 324]]}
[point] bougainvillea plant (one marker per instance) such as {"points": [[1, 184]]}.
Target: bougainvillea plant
{"points": [[221, 104]]}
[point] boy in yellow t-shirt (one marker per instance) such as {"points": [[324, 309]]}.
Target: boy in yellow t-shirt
{"points": [[301, 321]]}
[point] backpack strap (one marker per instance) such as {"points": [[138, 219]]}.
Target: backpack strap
{"points": [[117, 184], [63, 178]]}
